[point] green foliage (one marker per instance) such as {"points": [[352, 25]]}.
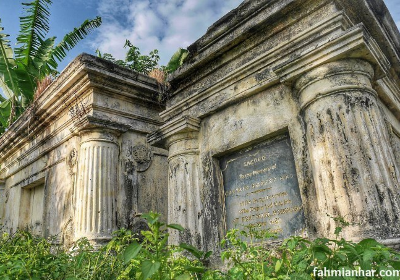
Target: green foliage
{"points": [[145, 63], [155, 259], [177, 59], [34, 58], [134, 59], [23, 256], [299, 258]]}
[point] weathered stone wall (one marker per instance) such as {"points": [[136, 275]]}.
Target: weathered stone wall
{"points": [[322, 71], [76, 164]]}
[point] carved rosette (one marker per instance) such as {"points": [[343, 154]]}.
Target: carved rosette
{"points": [[95, 193], [142, 156], [354, 169]]}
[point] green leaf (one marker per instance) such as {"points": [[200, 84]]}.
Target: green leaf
{"points": [[176, 226], [5, 104], [149, 268], [131, 251], [33, 28], [208, 254], [193, 250], [322, 248], [338, 230], [195, 269], [151, 217], [8, 77], [43, 62], [368, 243], [5, 111], [27, 81], [177, 59], [320, 256], [395, 264], [183, 277], [71, 39], [278, 265], [226, 255], [368, 255]]}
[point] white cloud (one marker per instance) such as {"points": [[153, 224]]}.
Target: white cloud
{"points": [[165, 25]]}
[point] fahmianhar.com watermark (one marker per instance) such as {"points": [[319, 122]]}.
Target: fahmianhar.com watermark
{"points": [[355, 273]]}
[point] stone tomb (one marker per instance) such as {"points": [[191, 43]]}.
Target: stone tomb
{"points": [[76, 163], [261, 188], [287, 113]]}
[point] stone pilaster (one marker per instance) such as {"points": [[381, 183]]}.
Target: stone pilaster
{"points": [[184, 205], [95, 209], [353, 165], [2, 200]]}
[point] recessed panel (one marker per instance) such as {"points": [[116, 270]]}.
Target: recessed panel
{"points": [[261, 188]]}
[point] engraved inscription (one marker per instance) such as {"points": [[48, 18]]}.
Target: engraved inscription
{"points": [[261, 188]]}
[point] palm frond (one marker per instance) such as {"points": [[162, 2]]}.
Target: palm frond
{"points": [[1, 90], [2, 98], [44, 63], [72, 39], [4, 89], [5, 112], [8, 76], [27, 80], [33, 28]]}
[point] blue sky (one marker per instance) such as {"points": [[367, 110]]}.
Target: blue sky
{"points": [[165, 25]]}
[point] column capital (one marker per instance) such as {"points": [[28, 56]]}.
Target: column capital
{"points": [[341, 76], [183, 127], [99, 134]]}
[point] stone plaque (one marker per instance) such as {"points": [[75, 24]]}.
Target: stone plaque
{"points": [[261, 188]]}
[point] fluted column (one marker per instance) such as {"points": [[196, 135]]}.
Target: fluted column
{"points": [[185, 206], [353, 165], [95, 209], [2, 200]]}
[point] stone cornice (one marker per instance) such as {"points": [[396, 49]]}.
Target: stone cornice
{"points": [[380, 25], [184, 124], [354, 43], [389, 93], [230, 30], [81, 78], [286, 62]]}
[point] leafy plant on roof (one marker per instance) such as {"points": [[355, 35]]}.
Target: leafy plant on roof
{"points": [[134, 59], [148, 65], [34, 58], [177, 59]]}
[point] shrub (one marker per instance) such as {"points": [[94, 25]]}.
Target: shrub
{"points": [[24, 256]]}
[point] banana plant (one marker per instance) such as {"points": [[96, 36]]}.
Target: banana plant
{"points": [[34, 58], [177, 59]]}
